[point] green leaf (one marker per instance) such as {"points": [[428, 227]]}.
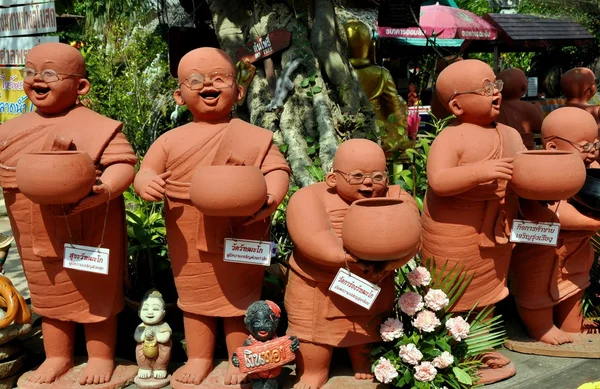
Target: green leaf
{"points": [[316, 89], [392, 118], [304, 83], [309, 94], [462, 376], [284, 148]]}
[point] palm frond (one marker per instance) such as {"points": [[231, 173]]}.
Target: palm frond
{"points": [[453, 282], [485, 334]]}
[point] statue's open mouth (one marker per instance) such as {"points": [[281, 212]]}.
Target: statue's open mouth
{"points": [[40, 91], [365, 193], [263, 334], [210, 95]]}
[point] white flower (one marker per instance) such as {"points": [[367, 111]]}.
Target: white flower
{"points": [[410, 303], [391, 329], [410, 354], [385, 371], [425, 372], [443, 360], [436, 299], [419, 277], [458, 327], [426, 321]]}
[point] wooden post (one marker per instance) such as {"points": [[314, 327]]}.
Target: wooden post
{"points": [[496, 67]]}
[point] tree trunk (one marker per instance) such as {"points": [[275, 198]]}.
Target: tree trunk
{"points": [[317, 114]]}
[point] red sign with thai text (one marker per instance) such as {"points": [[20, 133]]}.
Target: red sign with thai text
{"points": [[265, 46], [264, 356]]}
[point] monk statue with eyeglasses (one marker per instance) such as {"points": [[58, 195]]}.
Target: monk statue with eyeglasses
{"points": [[468, 208], [549, 282], [53, 79], [208, 287], [320, 318], [579, 87]]}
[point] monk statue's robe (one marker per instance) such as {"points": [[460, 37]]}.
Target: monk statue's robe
{"points": [[524, 117], [57, 292], [207, 285], [316, 314], [544, 276], [472, 230]]}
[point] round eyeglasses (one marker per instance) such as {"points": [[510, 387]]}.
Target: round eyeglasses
{"points": [[220, 80], [357, 178], [48, 75], [584, 148], [488, 89]]}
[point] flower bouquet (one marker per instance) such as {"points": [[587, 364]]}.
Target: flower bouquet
{"points": [[424, 345]]}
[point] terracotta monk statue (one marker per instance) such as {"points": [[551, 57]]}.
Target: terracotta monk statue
{"points": [[208, 287], [54, 78], [153, 336], [468, 208], [579, 86], [377, 82], [321, 319], [548, 282], [523, 116], [438, 107]]}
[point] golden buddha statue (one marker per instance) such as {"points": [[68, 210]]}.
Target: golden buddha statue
{"points": [[378, 84]]}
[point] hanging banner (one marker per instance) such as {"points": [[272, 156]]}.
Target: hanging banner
{"points": [[14, 50], [13, 100], [8, 3], [28, 20]]}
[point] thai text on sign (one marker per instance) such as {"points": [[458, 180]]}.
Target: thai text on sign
{"points": [[14, 50], [354, 288], [13, 100], [524, 231], [265, 45], [253, 252], [265, 355], [28, 19], [86, 258]]}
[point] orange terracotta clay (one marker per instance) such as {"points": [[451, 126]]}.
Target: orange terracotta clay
{"points": [[321, 319], [579, 86], [548, 282], [63, 296], [41, 176], [207, 286], [468, 207], [547, 174], [236, 190], [438, 107], [381, 229], [523, 116]]}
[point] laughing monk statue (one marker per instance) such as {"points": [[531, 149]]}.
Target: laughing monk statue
{"points": [[54, 78], [322, 319], [468, 208], [579, 86], [548, 282], [208, 287]]}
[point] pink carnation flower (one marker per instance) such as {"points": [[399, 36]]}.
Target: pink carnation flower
{"points": [[436, 299], [391, 329], [385, 371], [425, 372], [458, 327], [419, 277], [410, 354], [443, 360], [426, 321], [410, 303]]}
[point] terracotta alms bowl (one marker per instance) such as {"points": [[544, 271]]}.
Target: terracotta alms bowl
{"points": [[589, 194], [381, 229], [55, 177], [228, 190], [548, 175]]}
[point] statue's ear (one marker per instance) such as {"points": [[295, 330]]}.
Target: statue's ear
{"points": [[551, 145], [331, 180], [240, 93], [84, 87], [178, 97], [455, 108]]}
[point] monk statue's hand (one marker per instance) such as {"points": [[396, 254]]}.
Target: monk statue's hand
{"points": [[267, 210], [100, 195], [494, 169], [154, 188]]}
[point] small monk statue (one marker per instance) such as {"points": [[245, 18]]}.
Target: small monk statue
{"points": [[523, 116], [579, 86], [208, 287], [53, 79], [262, 319], [468, 208], [153, 336], [549, 282], [377, 82], [320, 318]]}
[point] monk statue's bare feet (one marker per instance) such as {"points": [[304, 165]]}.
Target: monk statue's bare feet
{"points": [[554, 336], [50, 370], [496, 367], [233, 375], [495, 360], [193, 372], [361, 362], [97, 371], [312, 381]]}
